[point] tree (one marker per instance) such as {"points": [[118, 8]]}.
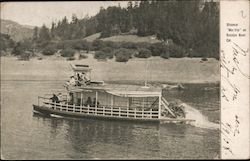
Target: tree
{"points": [[21, 47], [91, 26], [74, 19], [186, 24], [5, 42], [52, 31], [130, 15], [35, 34], [44, 34], [77, 28], [65, 32]]}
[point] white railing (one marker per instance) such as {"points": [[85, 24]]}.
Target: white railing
{"points": [[102, 110]]}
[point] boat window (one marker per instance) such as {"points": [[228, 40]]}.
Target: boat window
{"points": [[120, 101], [104, 98], [144, 102], [86, 95], [77, 98]]}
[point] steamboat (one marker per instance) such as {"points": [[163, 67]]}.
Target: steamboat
{"points": [[85, 98]]}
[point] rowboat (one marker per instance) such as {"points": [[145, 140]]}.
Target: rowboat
{"points": [[99, 100]]}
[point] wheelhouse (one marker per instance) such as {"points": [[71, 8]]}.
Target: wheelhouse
{"points": [[97, 99]]}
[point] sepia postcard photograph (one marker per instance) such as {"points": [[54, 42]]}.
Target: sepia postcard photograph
{"points": [[112, 80]]}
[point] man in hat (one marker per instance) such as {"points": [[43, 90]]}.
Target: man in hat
{"points": [[85, 77], [72, 81], [55, 99], [59, 96]]}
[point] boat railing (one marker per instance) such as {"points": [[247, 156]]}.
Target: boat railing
{"points": [[113, 111]]}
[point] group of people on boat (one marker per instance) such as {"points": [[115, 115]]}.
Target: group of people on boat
{"points": [[78, 80], [57, 98]]}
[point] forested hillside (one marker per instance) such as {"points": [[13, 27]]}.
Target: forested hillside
{"points": [[185, 28]]}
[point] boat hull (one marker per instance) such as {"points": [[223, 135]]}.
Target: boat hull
{"points": [[48, 112]]}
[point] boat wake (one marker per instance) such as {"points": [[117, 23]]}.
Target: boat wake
{"points": [[201, 121]]}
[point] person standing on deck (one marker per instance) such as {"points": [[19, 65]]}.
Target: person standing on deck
{"points": [[80, 80], [94, 102], [70, 98], [88, 102], [55, 99], [60, 97], [86, 77], [72, 81]]}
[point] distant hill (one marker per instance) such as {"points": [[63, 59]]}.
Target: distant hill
{"points": [[16, 31]]}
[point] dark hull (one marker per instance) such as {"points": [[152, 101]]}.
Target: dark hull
{"points": [[46, 111]]}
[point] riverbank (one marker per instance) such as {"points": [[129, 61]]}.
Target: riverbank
{"points": [[173, 70]]}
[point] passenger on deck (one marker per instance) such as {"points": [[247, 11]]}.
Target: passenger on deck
{"points": [[72, 81], [66, 85], [88, 102], [70, 98], [94, 102], [55, 99], [80, 80], [86, 78], [60, 97]]}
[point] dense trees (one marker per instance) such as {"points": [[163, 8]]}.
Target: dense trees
{"points": [[44, 34], [192, 25], [187, 28], [6, 42]]}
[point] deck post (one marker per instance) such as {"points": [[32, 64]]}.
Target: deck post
{"points": [[119, 111], [135, 113], [151, 113], [81, 98], [143, 102], [142, 112], [74, 108], [88, 108], [103, 110], [127, 112], [96, 99], [112, 101], [159, 110]]}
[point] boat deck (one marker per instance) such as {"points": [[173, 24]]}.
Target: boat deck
{"points": [[104, 113]]}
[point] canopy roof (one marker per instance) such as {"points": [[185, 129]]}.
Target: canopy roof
{"points": [[122, 90], [80, 68]]}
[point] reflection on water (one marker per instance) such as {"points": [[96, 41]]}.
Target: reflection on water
{"points": [[28, 136]]}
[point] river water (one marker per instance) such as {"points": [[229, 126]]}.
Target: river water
{"points": [[25, 135]]}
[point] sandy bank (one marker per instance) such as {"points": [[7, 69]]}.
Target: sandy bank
{"points": [[173, 70]]}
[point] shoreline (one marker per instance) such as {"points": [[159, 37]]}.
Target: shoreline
{"points": [[171, 71]]}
